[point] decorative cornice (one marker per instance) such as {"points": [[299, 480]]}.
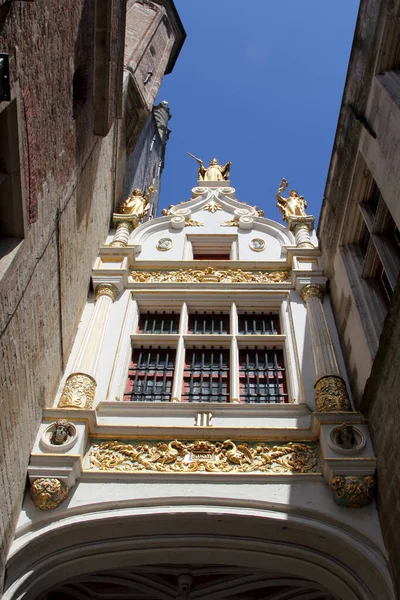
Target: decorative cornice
{"points": [[106, 289], [205, 456], [48, 493], [353, 492], [312, 290], [210, 275], [331, 395], [79, 392]]}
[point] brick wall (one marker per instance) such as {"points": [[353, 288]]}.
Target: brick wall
{"points": [[68, 194]]}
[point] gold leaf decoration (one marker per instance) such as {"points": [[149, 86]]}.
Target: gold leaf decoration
{"points": [[204, 456], [210, 275]]}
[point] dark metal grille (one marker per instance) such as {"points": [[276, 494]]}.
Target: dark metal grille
{"points": [[256, 323], [208, 323], [206, 376], [159, 322], [262, 376], [150, 375]]}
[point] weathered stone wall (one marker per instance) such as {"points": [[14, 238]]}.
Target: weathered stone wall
{"points": [[367, 148], [67, 177]]}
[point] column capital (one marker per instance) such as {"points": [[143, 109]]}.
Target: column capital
{"points": [[106, 289], [312, 290], [294, 222]]}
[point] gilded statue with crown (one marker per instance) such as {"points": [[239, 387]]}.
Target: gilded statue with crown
{"points": [[214, 172], [292, 206]]}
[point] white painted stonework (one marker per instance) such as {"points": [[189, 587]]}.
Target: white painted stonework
{"points": [[280, 525]]}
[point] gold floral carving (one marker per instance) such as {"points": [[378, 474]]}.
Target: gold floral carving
{"points": [[106, 289], [353, 492], [210, 275], [331, 394], [48, 493], [192, 223], [232, 223], [212, 206], [312, 291], [78, 392], [202, 455]]}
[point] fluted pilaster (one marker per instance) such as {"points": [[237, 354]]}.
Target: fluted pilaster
{"points": [[80, 388], [330, 389]]}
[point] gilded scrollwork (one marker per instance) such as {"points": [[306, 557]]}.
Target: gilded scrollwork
{"points": [[205, 456], [79, 391], [331, 395], [353, 491], [312, 291], [48, 493], [232, 223], [192, 223], [210, 274]]}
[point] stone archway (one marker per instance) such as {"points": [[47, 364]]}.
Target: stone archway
{"points": [[250, 552]]}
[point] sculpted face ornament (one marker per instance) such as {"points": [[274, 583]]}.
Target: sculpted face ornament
{"points": [[346, 438], [62, 433], [257, 244]]}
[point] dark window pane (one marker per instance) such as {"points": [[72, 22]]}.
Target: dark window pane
{"points": [[208, 323], [150, 375], [364, 241], [206, 376], [262, 375], [159, 322], [256, 323]]}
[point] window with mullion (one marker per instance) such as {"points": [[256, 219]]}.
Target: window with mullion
{"points": [[262, 376], [159, 322], [206, 375], [259, 323], [150, 375]]}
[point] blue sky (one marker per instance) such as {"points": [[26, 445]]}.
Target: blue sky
{"points": [[258, 82]]}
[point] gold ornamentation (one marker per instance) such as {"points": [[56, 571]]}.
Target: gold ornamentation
{"points": [[212, 206], [312, 290], [331, 394], [78, 392], [210, 274], [63, 431], [48, 493], [202, 455], [136, 204], [293, 205], [107, 289], [232, 223], [353, 492], [215, 172], [191, 223]]}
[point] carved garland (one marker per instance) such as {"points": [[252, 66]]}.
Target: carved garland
{"points": [[204, 456], [210, 275]]}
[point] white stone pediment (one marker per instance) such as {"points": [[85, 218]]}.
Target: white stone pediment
{"points": [[217, 214]]}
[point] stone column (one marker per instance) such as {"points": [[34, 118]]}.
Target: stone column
{"points": [[80, 387], [330, 389], [125, 225], [302, 227]]}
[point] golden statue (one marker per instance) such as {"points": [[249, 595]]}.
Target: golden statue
{"points": [[214, 172], [294, 205], [137, 205]]}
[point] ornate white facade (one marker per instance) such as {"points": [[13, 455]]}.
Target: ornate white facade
{"points": [[209, 447]]}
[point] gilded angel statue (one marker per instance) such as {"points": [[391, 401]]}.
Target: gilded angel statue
{"points": [[137, 205], [215, 172], [294, 205]]}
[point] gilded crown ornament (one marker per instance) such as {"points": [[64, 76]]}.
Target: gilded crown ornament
{"points": [[214, 172]]}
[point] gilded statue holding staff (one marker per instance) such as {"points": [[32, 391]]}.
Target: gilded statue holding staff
{"points": [[137, 205], [292, 206], [214, 172]]}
